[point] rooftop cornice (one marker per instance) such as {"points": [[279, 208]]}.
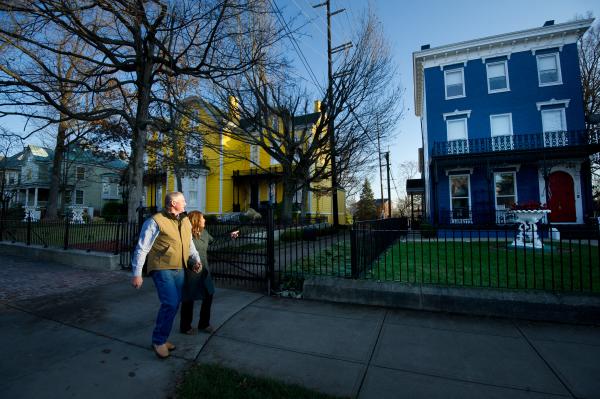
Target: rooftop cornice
{"points": [[462, 51], [577, 27]]}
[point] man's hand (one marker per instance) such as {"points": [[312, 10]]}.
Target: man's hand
{"points": [[197, 267], [137, 282], [235, 234]]}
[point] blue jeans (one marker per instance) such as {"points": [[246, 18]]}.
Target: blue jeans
{"points": [[168, 286]]}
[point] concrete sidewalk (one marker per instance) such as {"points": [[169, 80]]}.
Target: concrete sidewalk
{"points": [[60, 341]]}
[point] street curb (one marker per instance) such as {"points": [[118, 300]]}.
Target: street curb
{"points": [[530, 305]]}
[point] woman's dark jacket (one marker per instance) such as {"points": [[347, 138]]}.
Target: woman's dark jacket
{"points": [[198, 285]]}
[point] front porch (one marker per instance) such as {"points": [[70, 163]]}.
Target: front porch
{"points": [[477, 181]]}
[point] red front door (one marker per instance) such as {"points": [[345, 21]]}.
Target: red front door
{"points": [[562, 198]]}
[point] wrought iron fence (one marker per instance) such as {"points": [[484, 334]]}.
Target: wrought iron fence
{"points": [[63, 233], [516, 142], [385, 250]]}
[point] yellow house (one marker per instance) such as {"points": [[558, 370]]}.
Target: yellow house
{"points": [[223, 176]]}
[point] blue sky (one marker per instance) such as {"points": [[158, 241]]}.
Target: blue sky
{"points": [[409, 24]]}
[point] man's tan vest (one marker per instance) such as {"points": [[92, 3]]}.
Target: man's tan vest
{"points": [[171, 248]]}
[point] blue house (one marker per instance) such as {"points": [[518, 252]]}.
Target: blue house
{"points": [[502, 122]]}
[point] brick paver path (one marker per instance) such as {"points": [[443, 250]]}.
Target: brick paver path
{"points": [[21, 278]]}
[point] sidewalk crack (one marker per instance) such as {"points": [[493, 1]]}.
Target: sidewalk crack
{"points": [[373, 349]]}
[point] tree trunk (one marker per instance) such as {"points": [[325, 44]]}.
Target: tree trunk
{"points": [[136, 172], [304, 209], [288, 199], [55, 178], [139, 137]]}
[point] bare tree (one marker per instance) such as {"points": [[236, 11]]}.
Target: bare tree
{"points": [[273, 112], [8, 143], [589, 63], [406, 170], [129, 45]]}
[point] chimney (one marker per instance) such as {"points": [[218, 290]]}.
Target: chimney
{"points": [[318, 106], [425, 47], [549, 22]]}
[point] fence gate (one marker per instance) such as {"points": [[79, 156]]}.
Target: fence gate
{"points": [[246, 261]]}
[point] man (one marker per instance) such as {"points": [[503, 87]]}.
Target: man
{"points": [[166, 239]]}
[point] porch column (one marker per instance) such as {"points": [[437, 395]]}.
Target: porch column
{"points": [[26, 196], [35, 197]]}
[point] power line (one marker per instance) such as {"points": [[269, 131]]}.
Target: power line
{"points": [[295, 44]]}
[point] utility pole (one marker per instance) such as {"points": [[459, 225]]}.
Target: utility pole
{"points": [[380, 173], [387, 161], [330, 110]]}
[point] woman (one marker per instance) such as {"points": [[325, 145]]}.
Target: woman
{"points": [[198, 283]]}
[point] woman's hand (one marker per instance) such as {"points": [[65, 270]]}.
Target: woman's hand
{"points": [[234, 234], [197, 268]]}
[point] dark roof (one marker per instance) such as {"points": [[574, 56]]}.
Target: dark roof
{"points": [[300, 120], [84, 156], [415, 185], [378, 201], [307, 119]]}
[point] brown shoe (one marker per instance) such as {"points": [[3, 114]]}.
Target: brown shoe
{"points": [[191, 331], [161, 351], [170, 346]]}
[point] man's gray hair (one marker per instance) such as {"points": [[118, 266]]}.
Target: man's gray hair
{"points": [[172, 196]]}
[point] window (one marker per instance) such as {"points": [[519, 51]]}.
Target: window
{"points": [[501, 132], [459, 198], [506, 191], [80, 173], [548, 66], [457, 129], [497, 76], [253, 155], [275, 123], [78, 197], [192, 199], [274, 160], [553, 120], [454, 81], [457, 136], [554, 126]]}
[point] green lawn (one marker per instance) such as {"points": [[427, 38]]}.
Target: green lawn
{"points": [[331, 261], [216, 382], [564, 266]]}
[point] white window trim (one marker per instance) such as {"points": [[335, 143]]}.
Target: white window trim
{"points": [[82, 197], [442, 66], [466, 129], [459, 221], [515, 188], [510, 122], [541, 104], [487, 57], [563, 116], [507, 88], [77, 170], [456, 112], [462, 70], [536, 49], [557, 57]]}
